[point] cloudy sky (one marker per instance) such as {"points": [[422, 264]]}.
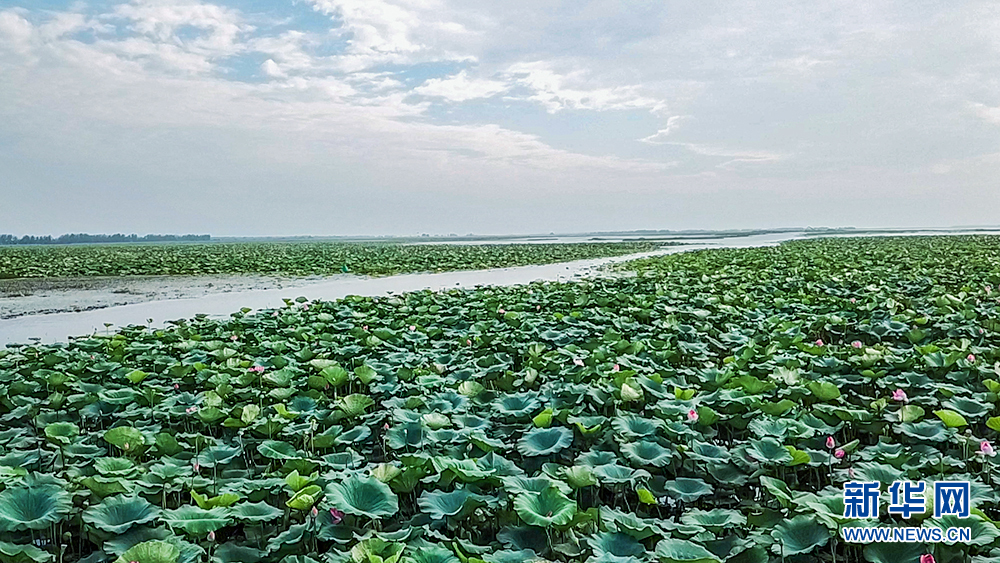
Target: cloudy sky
{"points": [[255, 117]]}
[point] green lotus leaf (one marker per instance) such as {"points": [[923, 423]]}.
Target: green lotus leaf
{"points": [[614, 474], [134, 536], [619, 545], [580, 476], [119, 513], [125, 438], [196, 521], [207, 503], [544, 441], [363, 497], [232, 552], [518, 484], [274, 449], [681, 551], [115, 466], [894, 552], [153, 551], [718, 518], [255, 512], [355, 405], [33, 507], [305, 498], [929, 430], [983, 532], [456, 504], [644, 454], [686, 489], [801, 534], [824, 390], [632, 426], [62, 433], [545, 509], [15, 553], [217, 455], [431, 554], [356, 434], [409, 435], [950, 418], [770, 451], [708, 453]]}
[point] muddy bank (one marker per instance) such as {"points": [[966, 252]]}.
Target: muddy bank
{"points": [[39, 296]]}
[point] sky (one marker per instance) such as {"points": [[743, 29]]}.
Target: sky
{"points": [[336, 117]]}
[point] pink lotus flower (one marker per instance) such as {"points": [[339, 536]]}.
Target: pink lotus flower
{"points": [[364, 327], [830, 443], [839, 454], [176, 386], [211, 536], [986, 448], [305, 306], [538, 307], [501, 311], [413, 328], [197, 467], [616, 368], [819, 341], [468, 343], [257, 369], [857, 344], [337, 515], [899, 395], [927, 558], [234, 338], [274, 314], [850, 472], [853, 300], [971, 358], [693, 415], [385, 426], [314, 512], [578, 362]]}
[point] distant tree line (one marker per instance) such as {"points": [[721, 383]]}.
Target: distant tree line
{"points": [[79, 238]]}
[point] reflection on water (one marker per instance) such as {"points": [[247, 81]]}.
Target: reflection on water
{"points": [[58, 326]]}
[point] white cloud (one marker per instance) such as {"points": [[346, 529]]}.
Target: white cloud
{"points": [[991, 114], [658, 138], [460, 88], [573, 90]]}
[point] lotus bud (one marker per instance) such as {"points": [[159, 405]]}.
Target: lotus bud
{"points": [[830, 443], [125, 445], [211, 536], [839, 454], [501, 311], [986, 448], [927, 558], [616, 368], [693, 415], [899, 395], [578, 362], [857, 344], [337, 515], [314, 512], [971, 358], [853, 300], [819, 341]]}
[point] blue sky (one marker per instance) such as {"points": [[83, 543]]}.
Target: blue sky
{"points": [[260, 117]]}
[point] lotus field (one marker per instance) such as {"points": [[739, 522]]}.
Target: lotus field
{"points": [[289, 258], [705, 410]]}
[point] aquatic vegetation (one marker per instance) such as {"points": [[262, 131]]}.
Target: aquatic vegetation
{"points": [[708, 409], [290, 258]]}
